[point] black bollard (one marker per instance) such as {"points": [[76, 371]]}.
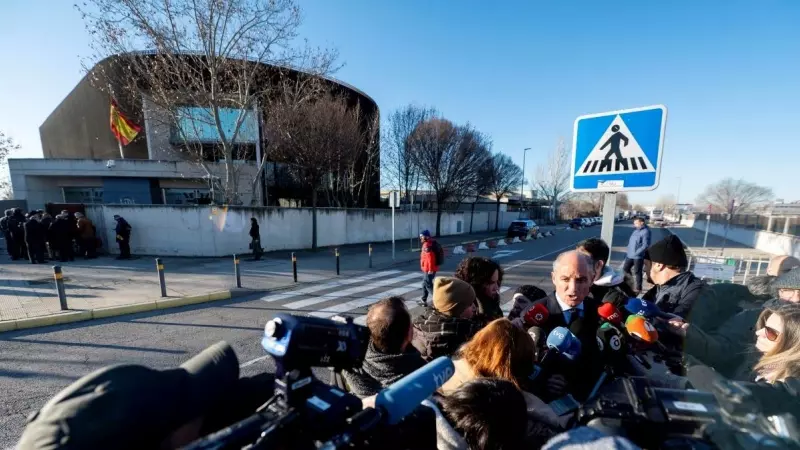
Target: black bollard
{"points": [[370, 256], [161, 281], [294, 267], [62, 295], [337, 261], [237, 271]]}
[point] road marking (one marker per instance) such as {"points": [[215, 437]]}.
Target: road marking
{"points": [[253, 361], [504, 253], [366, 301], [332, 285], [354, 290], [571, 246]]}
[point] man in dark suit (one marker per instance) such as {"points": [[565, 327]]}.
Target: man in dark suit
{"points": [[571, 306]]}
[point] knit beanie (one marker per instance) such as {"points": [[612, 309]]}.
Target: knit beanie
{"points": [[789, 280], [452, 296], [668, 251]]}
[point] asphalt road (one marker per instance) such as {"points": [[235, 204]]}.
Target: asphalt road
{"points": [[36, 364]]}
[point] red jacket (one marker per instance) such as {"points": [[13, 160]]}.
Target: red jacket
{"points": [[427, 257]]}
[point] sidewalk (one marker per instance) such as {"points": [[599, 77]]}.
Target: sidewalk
{"points": [[28, 290]]}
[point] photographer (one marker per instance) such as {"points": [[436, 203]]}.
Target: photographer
{"points": [[135, 407]]}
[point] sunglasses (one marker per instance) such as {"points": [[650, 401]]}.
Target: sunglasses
{"points": [[770, 333]]}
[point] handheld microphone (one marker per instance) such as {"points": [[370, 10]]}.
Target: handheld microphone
{"points": [[641, 330], [564, 342], [404, 395], [610, 314], [616, 298], [642, 308], [536, 316]]}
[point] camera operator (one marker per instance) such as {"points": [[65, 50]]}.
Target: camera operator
{"points": [[135, 407], [389, 355], [606, 279]]}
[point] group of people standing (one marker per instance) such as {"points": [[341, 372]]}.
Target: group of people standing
{"points": [[37, 236]]}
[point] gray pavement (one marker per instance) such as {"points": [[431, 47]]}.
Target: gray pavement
{"points": [[28, 290], [36, 364]]}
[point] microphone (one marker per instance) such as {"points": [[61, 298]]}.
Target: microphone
{"points": [[536, 316], [616, 298], [564, 342], [539, 336], [642, 308], [610, 314], [641, 330], [404, 395]]}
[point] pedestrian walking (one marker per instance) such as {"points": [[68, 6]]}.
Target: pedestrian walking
{"points": [[634, 256], [430, 258], [123, 231], [255, 239]]}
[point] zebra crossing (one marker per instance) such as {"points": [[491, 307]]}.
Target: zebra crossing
{"points": [[352, 296]]}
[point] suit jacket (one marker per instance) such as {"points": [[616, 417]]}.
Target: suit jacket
{"points": [[583, 373]]}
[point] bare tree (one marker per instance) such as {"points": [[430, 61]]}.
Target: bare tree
{"points": [[7, 145], [733, 196], [552, 180], [448, 157], [623, 201], [321, 142], [504, 175], [200, 65], [397, 165]]}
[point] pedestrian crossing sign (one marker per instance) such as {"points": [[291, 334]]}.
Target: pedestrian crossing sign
{"points": [[618, 151]]}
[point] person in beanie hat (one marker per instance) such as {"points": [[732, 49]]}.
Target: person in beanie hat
{"points": [[676, 289], [788, 286], [441, 330], [429, 249]]}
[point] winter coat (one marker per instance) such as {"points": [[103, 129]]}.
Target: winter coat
{"points": [[488, 308], [254, 231], [438, 335], [123, 230], [379, 370], [678, 295], [85, 228], [33, 231], [638, 243], [427, 257], [447, 438]]}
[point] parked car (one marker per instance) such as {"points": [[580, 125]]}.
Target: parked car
{"points": [[587, 222], [576, 223], [519, 228]]}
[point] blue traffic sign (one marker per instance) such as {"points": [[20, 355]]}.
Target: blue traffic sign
{"points": [[618, 151]]}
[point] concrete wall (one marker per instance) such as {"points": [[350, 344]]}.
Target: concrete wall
{"points": [[773, 243], [216, 231]]}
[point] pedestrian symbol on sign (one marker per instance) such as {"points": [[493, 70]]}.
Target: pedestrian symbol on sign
{"points": [[608, 157]]}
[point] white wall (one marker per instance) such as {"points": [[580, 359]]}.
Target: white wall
{"points": [[773, 243], [215, 231]]}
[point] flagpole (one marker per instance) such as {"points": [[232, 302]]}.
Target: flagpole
{"points": [[121, 152]]}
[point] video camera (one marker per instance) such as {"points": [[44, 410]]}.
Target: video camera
{"points": [[306, 413], [727, 417]]}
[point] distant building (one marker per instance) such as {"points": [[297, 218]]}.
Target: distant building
{"points": [[83, 161]]}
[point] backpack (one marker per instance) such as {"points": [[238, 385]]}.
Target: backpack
{"points": [[438, 250]]}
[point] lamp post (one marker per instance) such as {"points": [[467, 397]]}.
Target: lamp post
{"points": [[522, 182]]}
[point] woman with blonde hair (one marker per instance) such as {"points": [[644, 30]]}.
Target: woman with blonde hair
{"points": [[778, 340], [503, 350]]}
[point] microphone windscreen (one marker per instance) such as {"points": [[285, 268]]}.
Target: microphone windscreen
{"points": [[642, 330], [536, 316], [609, 313], [564, 342], [642, 307], [404, 395]]}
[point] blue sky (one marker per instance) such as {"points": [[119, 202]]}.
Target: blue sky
{"points": [[521, 71]]}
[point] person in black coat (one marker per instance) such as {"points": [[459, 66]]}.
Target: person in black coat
{"points": [[16, 226], [572, 307], [34, 239], [676, 290], [123, 231], [255, 239]]}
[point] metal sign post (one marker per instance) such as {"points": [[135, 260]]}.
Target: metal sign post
{"points": [[393, 197], [609, 211]]}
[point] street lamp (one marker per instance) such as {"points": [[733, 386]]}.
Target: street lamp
{"points": [[522, 182]]}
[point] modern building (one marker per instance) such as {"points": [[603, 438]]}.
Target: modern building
{"points": [[84, 163]]}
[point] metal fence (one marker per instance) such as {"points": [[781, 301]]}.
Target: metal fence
{"points": [[715, 268], [758, 222]]}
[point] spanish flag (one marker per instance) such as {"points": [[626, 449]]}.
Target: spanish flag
{"points": [[124, 130]]}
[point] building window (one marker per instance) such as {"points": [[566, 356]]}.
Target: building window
{"points": [[187, 196], [83, 195], [197, 125]]}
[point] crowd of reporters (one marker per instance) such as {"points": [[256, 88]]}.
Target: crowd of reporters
{"points": [[517, 378]]}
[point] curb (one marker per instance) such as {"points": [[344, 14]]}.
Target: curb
{"points": [[114, 311]]}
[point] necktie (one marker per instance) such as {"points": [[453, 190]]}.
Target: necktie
{"points": [[571, 314]]}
